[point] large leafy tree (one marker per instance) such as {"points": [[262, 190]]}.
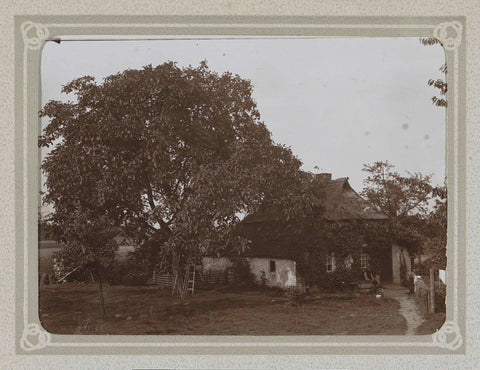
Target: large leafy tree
{"points": [[395, 195], [404, 199], [408, 202], [436, 230], [173, 155]]}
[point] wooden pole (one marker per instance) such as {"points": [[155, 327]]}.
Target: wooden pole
{"points": [[102, 300], [75, 269], [432, 291]]}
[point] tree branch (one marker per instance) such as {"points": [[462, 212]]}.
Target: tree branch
{"points": [[151, 202]]}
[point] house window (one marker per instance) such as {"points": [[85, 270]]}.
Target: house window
{"points": [[273, 267], [330, 262], [363, 260]]}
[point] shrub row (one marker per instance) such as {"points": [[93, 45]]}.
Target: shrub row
{"points": [[339, 280]]}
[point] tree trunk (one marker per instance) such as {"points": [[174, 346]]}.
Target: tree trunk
{"points": [[181, 272]]}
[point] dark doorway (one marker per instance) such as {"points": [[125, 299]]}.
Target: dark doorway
{"points": [[385, 260], [272, 266]]}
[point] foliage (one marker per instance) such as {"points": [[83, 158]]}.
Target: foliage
{"points": [[88, 243], [346, 240], [340, 279], [46, 229], [422, 269], [242, 275], [435, 245], [292, 218], [407, 201], [395, 195], [172, 155], [67, 259], [127, 274], [147, 258], [436, 230], [441, 85], [404, 199]]}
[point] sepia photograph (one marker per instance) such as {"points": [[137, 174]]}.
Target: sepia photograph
{"points": [[242, 185]]}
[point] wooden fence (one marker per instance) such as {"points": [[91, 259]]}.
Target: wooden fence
{"points": [[428, 299], [422, 296], [162, 279], [202, 280]]}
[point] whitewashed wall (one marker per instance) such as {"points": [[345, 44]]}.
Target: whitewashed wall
{"points": [[397, 252], [284, 276]]}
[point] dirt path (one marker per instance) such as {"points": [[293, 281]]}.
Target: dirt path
{"points": [[408, 309]]}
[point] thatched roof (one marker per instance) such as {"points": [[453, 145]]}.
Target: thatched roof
{"points": [[344, 203], [341, 203]]}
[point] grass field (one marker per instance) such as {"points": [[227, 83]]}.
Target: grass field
{"points": [[74, 308], [431, 324]]}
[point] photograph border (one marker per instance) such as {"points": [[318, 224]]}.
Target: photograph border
{"points": [[31, 33]]}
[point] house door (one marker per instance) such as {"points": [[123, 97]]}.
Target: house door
{"points": [[386, 264]]}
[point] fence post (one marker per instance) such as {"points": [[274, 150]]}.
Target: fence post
{"points": [[432, 291], [427, 302]]}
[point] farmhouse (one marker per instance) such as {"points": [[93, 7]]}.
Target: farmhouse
{"points": [[349, 233]]}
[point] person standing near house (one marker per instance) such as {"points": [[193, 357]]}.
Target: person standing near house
{"points": [[263, 280], [411, 282]]}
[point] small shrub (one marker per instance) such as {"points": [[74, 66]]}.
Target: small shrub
{"points": [[339, 280], [241, 274]]}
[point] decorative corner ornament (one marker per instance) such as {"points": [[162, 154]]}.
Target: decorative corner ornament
{"points": [[34, 34], [449, 34], [448, 336], [34, 337]]}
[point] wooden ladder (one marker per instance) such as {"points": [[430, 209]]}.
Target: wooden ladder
{"points": [[191, 275]]}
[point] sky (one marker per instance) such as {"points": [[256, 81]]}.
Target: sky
{"points": [[339, 103]]}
